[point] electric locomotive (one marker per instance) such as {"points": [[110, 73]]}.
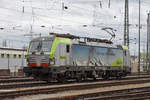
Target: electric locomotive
{"points": [[63, 56]]}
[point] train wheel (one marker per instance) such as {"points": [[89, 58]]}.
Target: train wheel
{"points": [[79, 78], [119, 76], [61, 78], [106, 76]]}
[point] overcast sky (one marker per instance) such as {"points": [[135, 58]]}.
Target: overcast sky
{"points": [[55, 18]]}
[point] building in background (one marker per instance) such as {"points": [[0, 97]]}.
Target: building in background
{"points": [[12, 59]]}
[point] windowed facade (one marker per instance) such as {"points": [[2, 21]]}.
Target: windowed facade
{"points": [[2, 55], [12, 57]]}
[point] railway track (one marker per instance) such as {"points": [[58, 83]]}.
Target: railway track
{"points": [[142, 93], [18, 79], [12, 93], [145, 94], [30, 82], [23, 84], [125, 94], [9, 77], [27, 79]]}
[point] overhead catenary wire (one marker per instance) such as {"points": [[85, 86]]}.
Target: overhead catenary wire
{"points": [[65, 20], [84, 10], [81, 9], [29, 13]]}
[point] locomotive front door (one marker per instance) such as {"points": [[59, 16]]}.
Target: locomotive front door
{"points": [[63, 54], [68, 54], [65, 50]]}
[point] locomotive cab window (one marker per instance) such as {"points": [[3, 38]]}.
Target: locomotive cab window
{"points": [[44, 45], [67, 48]]}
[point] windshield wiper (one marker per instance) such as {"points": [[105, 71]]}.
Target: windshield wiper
{"points": [[39, 46]]}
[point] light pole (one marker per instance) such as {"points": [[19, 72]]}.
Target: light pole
{"points": [[126, 24], [139, 37], [8, 55]]}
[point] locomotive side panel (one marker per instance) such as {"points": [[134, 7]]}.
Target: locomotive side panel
{"points": [[97, 56], [59, 54]]}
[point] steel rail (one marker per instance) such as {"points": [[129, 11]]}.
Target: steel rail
{"points": [[59, 88], [124, 94], [24, 83]]}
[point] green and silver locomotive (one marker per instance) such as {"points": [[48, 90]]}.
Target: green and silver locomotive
{"points": [[62, 56]]}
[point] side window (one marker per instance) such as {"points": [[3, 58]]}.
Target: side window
{"points": [[125, 53], [67, 48], [19, 56], [2, 55], [15, 55], [7, 55]]}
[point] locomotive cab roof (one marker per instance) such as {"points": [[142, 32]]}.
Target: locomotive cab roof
{"points": [[82, 40], [43, 38]]}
